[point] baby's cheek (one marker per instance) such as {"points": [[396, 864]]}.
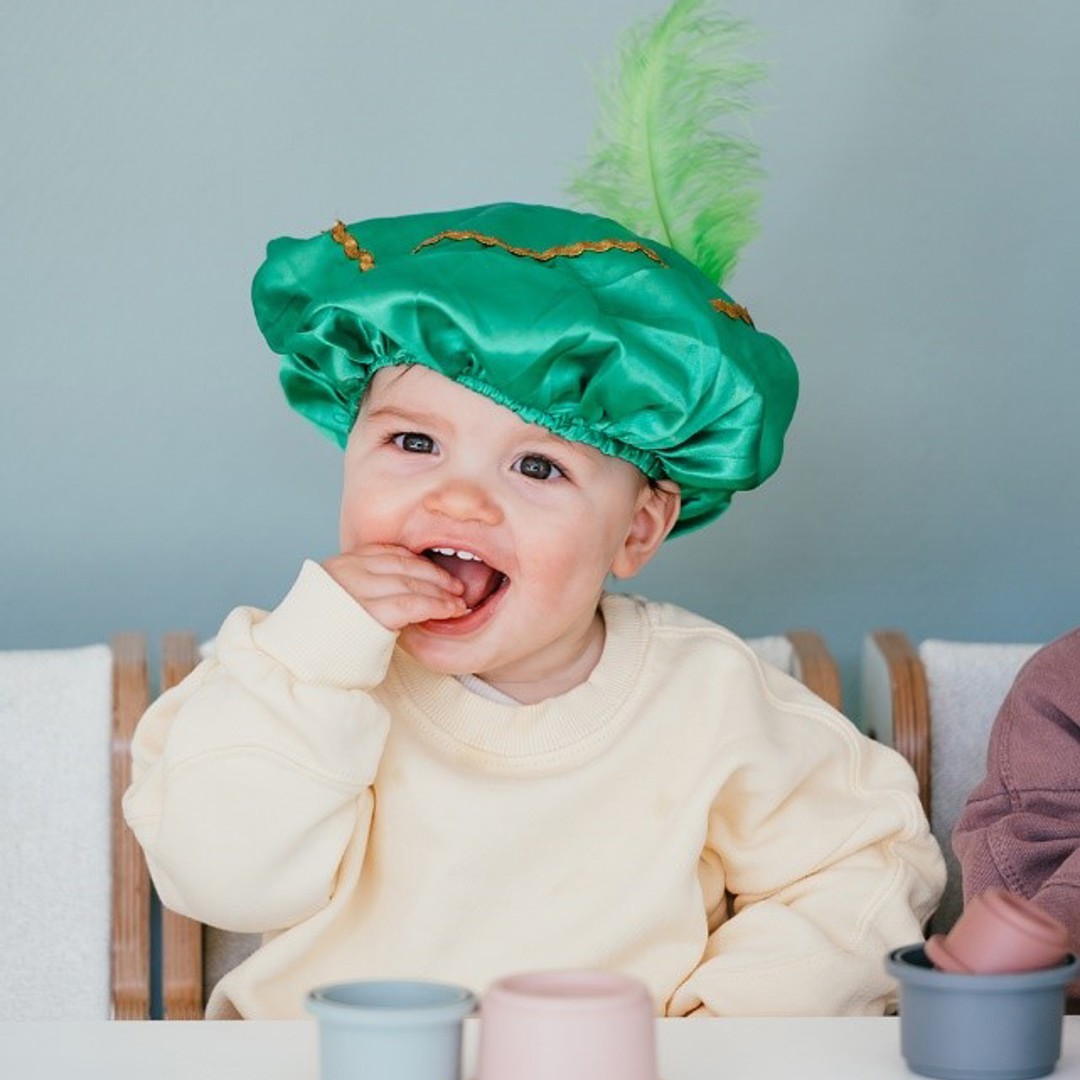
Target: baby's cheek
{"points": [[354, 527], [571, 572], [347, 534]]}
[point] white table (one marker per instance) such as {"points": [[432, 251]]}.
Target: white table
{"points": [[705, 1049]]}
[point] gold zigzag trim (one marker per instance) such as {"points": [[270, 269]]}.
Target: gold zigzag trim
{"points": [[731, 310], [569, 251], [366, 260], [351, 247]]}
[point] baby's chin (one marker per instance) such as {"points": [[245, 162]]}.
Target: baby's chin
{"points": [[433, 664], [437, 654], [455, 658]]}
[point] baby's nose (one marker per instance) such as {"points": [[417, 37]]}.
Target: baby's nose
{"points": [[464, 500]]}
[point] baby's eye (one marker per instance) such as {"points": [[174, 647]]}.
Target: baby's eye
{"points": [[537, 467], [415, 442]]}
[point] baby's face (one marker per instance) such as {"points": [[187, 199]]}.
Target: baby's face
{"points": [[531, 523]]}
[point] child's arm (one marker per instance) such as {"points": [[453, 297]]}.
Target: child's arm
{"points": [[828, 863], [253, 776]]}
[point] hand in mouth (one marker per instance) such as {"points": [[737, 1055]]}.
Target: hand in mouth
{"points": [[481, 581]]}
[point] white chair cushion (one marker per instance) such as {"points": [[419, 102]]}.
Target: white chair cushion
{"points": [[55, 887], [967, 682], [775, 650]]}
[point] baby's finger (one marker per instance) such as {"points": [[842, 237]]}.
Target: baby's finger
{"points": [[385, 573], [391, 560], [386, 587], [403, 609]]}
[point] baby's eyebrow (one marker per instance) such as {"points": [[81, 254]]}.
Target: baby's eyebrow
{"points": [[568, 451], [538, 433], [542, 437], [411, 416]]}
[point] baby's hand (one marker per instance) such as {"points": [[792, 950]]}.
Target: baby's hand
{"points": [[396, 586]]}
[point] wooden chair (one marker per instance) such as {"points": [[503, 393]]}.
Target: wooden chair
{"points": [[195, 957], [131, 879], [935, 704], [76, 899]]}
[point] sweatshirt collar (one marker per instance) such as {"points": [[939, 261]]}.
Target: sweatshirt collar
{"points": [[549, 735]]}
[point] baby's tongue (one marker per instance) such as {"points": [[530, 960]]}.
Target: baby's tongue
{"points": [[477, 577]]}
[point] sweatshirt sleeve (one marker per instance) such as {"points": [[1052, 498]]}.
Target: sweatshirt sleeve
{"points": [[252, 777], [828, 864]]}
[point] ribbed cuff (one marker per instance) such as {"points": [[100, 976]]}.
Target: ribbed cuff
{"points": [[322, 635]]}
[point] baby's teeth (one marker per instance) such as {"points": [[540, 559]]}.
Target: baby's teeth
{"points": [[468, 556]]}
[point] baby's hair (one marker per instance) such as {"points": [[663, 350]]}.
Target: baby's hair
{"points": [[664, 487], [395, 372]]}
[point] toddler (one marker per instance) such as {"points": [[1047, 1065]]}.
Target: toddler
{"points": [[449, 752]]}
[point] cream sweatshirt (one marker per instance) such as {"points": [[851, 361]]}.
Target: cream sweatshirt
{"points": [[687, 815]]}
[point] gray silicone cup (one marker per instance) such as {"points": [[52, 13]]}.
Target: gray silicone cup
{"points": [[390, 1029], [979, 1027]]}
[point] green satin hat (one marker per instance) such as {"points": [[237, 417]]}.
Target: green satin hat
{"points": [[568, 319]]}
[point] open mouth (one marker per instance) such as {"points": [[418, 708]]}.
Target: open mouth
{"points": [[481, 581]]}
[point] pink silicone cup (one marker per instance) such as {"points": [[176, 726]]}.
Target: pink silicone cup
{"points": [[999, 933], [938, 952], [567, 1025]]}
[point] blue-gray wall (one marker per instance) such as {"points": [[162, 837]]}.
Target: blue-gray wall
{"points": [[918, 253]]}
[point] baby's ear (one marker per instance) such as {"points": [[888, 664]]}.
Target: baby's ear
{"points": [[655, 515]]}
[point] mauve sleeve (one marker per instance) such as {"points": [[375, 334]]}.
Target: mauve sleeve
{"points": [[1020, 828]]}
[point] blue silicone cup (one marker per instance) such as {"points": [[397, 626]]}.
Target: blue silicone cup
{"points": [[979, 1027], [390, 1029]]}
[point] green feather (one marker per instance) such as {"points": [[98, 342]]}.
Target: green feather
{"points": [[662, 164]]}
